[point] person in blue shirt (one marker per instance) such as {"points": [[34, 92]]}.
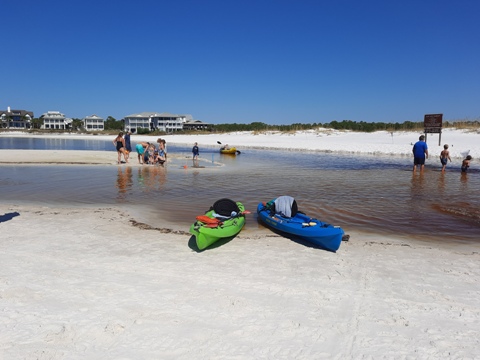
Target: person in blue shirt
{"points": [[420, 153], [195, 151]]}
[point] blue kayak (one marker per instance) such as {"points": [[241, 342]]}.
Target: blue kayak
{"points": [[303, 227]]}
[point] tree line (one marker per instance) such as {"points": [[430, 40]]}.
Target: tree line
{"points": [[360, 126]]}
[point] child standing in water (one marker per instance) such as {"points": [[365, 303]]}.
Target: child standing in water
{"points": [[444, 157], [466, 163], [195, 151]]}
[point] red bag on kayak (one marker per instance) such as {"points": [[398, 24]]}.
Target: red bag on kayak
{"points": [[207, 220]]}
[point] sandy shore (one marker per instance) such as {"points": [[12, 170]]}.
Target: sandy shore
{"points": [[461, 141], [77, 283]]}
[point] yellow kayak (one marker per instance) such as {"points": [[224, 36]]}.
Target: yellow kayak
{"points": [[231, 151]]}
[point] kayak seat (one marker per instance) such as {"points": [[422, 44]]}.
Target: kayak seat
{"points": [[225, 207]]}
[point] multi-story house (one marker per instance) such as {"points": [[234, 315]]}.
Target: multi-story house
{"points": [[93, 123], [154, 121], [18, 119], [55, 120]]}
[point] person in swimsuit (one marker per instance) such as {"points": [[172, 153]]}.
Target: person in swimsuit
{"points": [[119, 143], [444, 157]]}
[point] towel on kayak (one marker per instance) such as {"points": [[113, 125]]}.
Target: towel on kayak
{"points": [[286, 206]]}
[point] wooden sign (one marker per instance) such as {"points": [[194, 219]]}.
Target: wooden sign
{"points": [[433, 123]]}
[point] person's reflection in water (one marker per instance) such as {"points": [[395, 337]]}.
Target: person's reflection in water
{"points": [[418, 185], [464, 180], [441, 183], [417, 194], [160, 176], [124, 182], [152, 178]]}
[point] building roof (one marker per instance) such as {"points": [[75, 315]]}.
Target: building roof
{"points": [[92, 117], [147, 114], [16, 112], [53, 114]]}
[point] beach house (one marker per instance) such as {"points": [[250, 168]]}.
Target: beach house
{"points": [[191, 124], [55, 120], [154, 121], [93, 123], [18, 119]]}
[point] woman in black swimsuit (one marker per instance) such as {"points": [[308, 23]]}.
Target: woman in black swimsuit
{"points": [[119, 143]]}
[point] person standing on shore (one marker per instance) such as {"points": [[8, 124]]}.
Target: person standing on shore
{"points": [[444, 157], [128, 145], [420, 153], [119, 143], [195, 151]]}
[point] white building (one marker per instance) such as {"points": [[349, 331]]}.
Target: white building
{"points": [[55, 120], [93, 123], [154, 121]]}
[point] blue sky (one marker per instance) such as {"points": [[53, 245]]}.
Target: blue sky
{"points": [[278, 62]]}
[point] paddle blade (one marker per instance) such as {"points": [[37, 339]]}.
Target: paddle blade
{"points": [[218, 142], [238, 152]]}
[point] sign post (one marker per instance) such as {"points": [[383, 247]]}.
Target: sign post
{"points": [[432, 124]]}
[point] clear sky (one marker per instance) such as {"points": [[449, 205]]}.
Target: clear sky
{"points": [[273, 61]]}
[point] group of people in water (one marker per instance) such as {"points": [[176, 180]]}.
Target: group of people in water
{"points": [[420, 153], [147, 153]]}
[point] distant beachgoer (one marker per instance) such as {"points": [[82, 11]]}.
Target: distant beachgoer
{"points": [[163, 145], [119, 143], [150, 154], [140, 148], [160, 155], [420, 153], [128, 145], [445, 157], [466, 163], [195, 151]]}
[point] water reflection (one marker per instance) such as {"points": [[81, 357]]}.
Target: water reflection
{"points": [[124, 182], [441, 184], [152, 178], [464, 181]]}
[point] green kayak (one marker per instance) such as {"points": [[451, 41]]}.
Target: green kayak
{"points": [[220, 222]]}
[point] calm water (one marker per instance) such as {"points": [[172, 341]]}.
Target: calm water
{"points": [[364, 193]]}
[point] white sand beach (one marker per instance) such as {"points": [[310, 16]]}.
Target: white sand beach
{"points": [[95, 284]]}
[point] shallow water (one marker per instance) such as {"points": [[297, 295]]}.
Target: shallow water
{"points": [[377, 194]]}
